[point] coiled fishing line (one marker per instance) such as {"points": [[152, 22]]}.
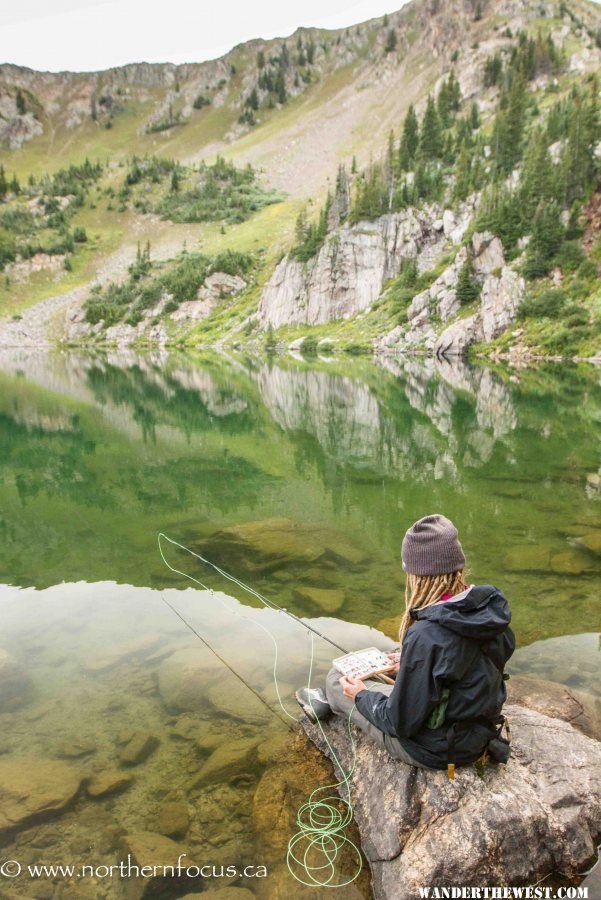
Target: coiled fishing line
{"points": [[322, 824], [314, 849]]}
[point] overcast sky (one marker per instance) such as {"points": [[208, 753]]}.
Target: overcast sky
{"points": [[84, 35]]}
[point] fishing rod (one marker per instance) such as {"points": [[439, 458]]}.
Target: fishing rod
{"points": [[321, 822], [271, 604], [245, 587], [224, 661]]}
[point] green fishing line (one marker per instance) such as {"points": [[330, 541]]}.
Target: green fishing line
{"points": [[322, 824], [314, 849]]}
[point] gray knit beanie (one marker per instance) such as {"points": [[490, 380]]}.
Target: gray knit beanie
{"points": [[431, 547]]}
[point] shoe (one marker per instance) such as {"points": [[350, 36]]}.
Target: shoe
{"points": [[313, 703]]}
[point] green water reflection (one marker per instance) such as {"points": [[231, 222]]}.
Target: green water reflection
{"points": [[320, 466], [98, 454]]}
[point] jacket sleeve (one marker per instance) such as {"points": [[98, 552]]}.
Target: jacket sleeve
{"points": [[417, 689]]}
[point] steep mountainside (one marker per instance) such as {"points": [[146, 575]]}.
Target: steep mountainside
{"points": [[98, 166]]}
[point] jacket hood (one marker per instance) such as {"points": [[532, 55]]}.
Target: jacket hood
{"points": [[479, 613]]}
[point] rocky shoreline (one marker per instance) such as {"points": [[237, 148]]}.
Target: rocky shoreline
{"points": [[518, 824]]}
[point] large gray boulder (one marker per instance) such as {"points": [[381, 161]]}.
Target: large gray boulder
{"points": [[517, 824]]}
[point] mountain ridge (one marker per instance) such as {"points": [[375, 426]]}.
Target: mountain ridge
{"points": [[294, 109]]}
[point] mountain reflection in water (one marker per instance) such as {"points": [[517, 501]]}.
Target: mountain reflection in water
{"points": [[300, 477]]}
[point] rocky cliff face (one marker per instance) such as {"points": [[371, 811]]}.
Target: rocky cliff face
{"points": [[434, 320], [350, 270]]}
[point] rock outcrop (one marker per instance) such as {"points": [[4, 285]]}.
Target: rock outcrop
{"points": [[502, 291], [349, 272], [520, 822], [581, 710]]}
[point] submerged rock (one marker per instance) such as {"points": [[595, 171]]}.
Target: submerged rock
{"points": [[517, 824], [230, 699], [223, 893], [75, 748], [139, 748], [184, 679], [116, 654], [330, 600], [32, 789], [147, 848], [591, 541], [15, 684], [231, 758], [173, 818], [280, 542], [112, 781]]}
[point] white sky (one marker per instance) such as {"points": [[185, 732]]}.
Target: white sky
{"points": [[84, 35]]}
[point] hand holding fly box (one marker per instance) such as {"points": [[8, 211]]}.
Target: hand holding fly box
{"points": [[364, 663]]}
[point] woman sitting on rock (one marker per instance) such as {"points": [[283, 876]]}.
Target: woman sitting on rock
{"points": [[444, 707]]}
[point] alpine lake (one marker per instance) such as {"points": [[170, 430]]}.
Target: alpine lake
{"points": [[121, 731]]}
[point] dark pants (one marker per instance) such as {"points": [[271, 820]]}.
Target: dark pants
{"points": [[342, 706]]}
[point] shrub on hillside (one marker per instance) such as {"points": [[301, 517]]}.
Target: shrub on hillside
{"points": [[549, 304]]}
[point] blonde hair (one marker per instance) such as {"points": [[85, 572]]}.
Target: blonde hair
{"points": [[426, 590]]}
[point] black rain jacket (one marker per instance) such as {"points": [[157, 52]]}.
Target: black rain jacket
{"points": [[443, 648]]}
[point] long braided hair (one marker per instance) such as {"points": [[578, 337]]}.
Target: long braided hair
{"points": [[426, 590]]}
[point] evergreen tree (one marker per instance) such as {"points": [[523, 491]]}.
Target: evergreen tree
{"points": [[175, 180], [493, 70], [462, 173], [430, 133], [474, 118], [454, 92], [443, 105], [537, 181], [301, 227], [20, 101], [500, 212], [340, 206], [579, 162], [467, 288], [391, 41], [280, 87], [3, 183], [508, 129], [252, 101], [390, 169], [371, 195], [545, 240], [260, 60], [409, 141]]}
